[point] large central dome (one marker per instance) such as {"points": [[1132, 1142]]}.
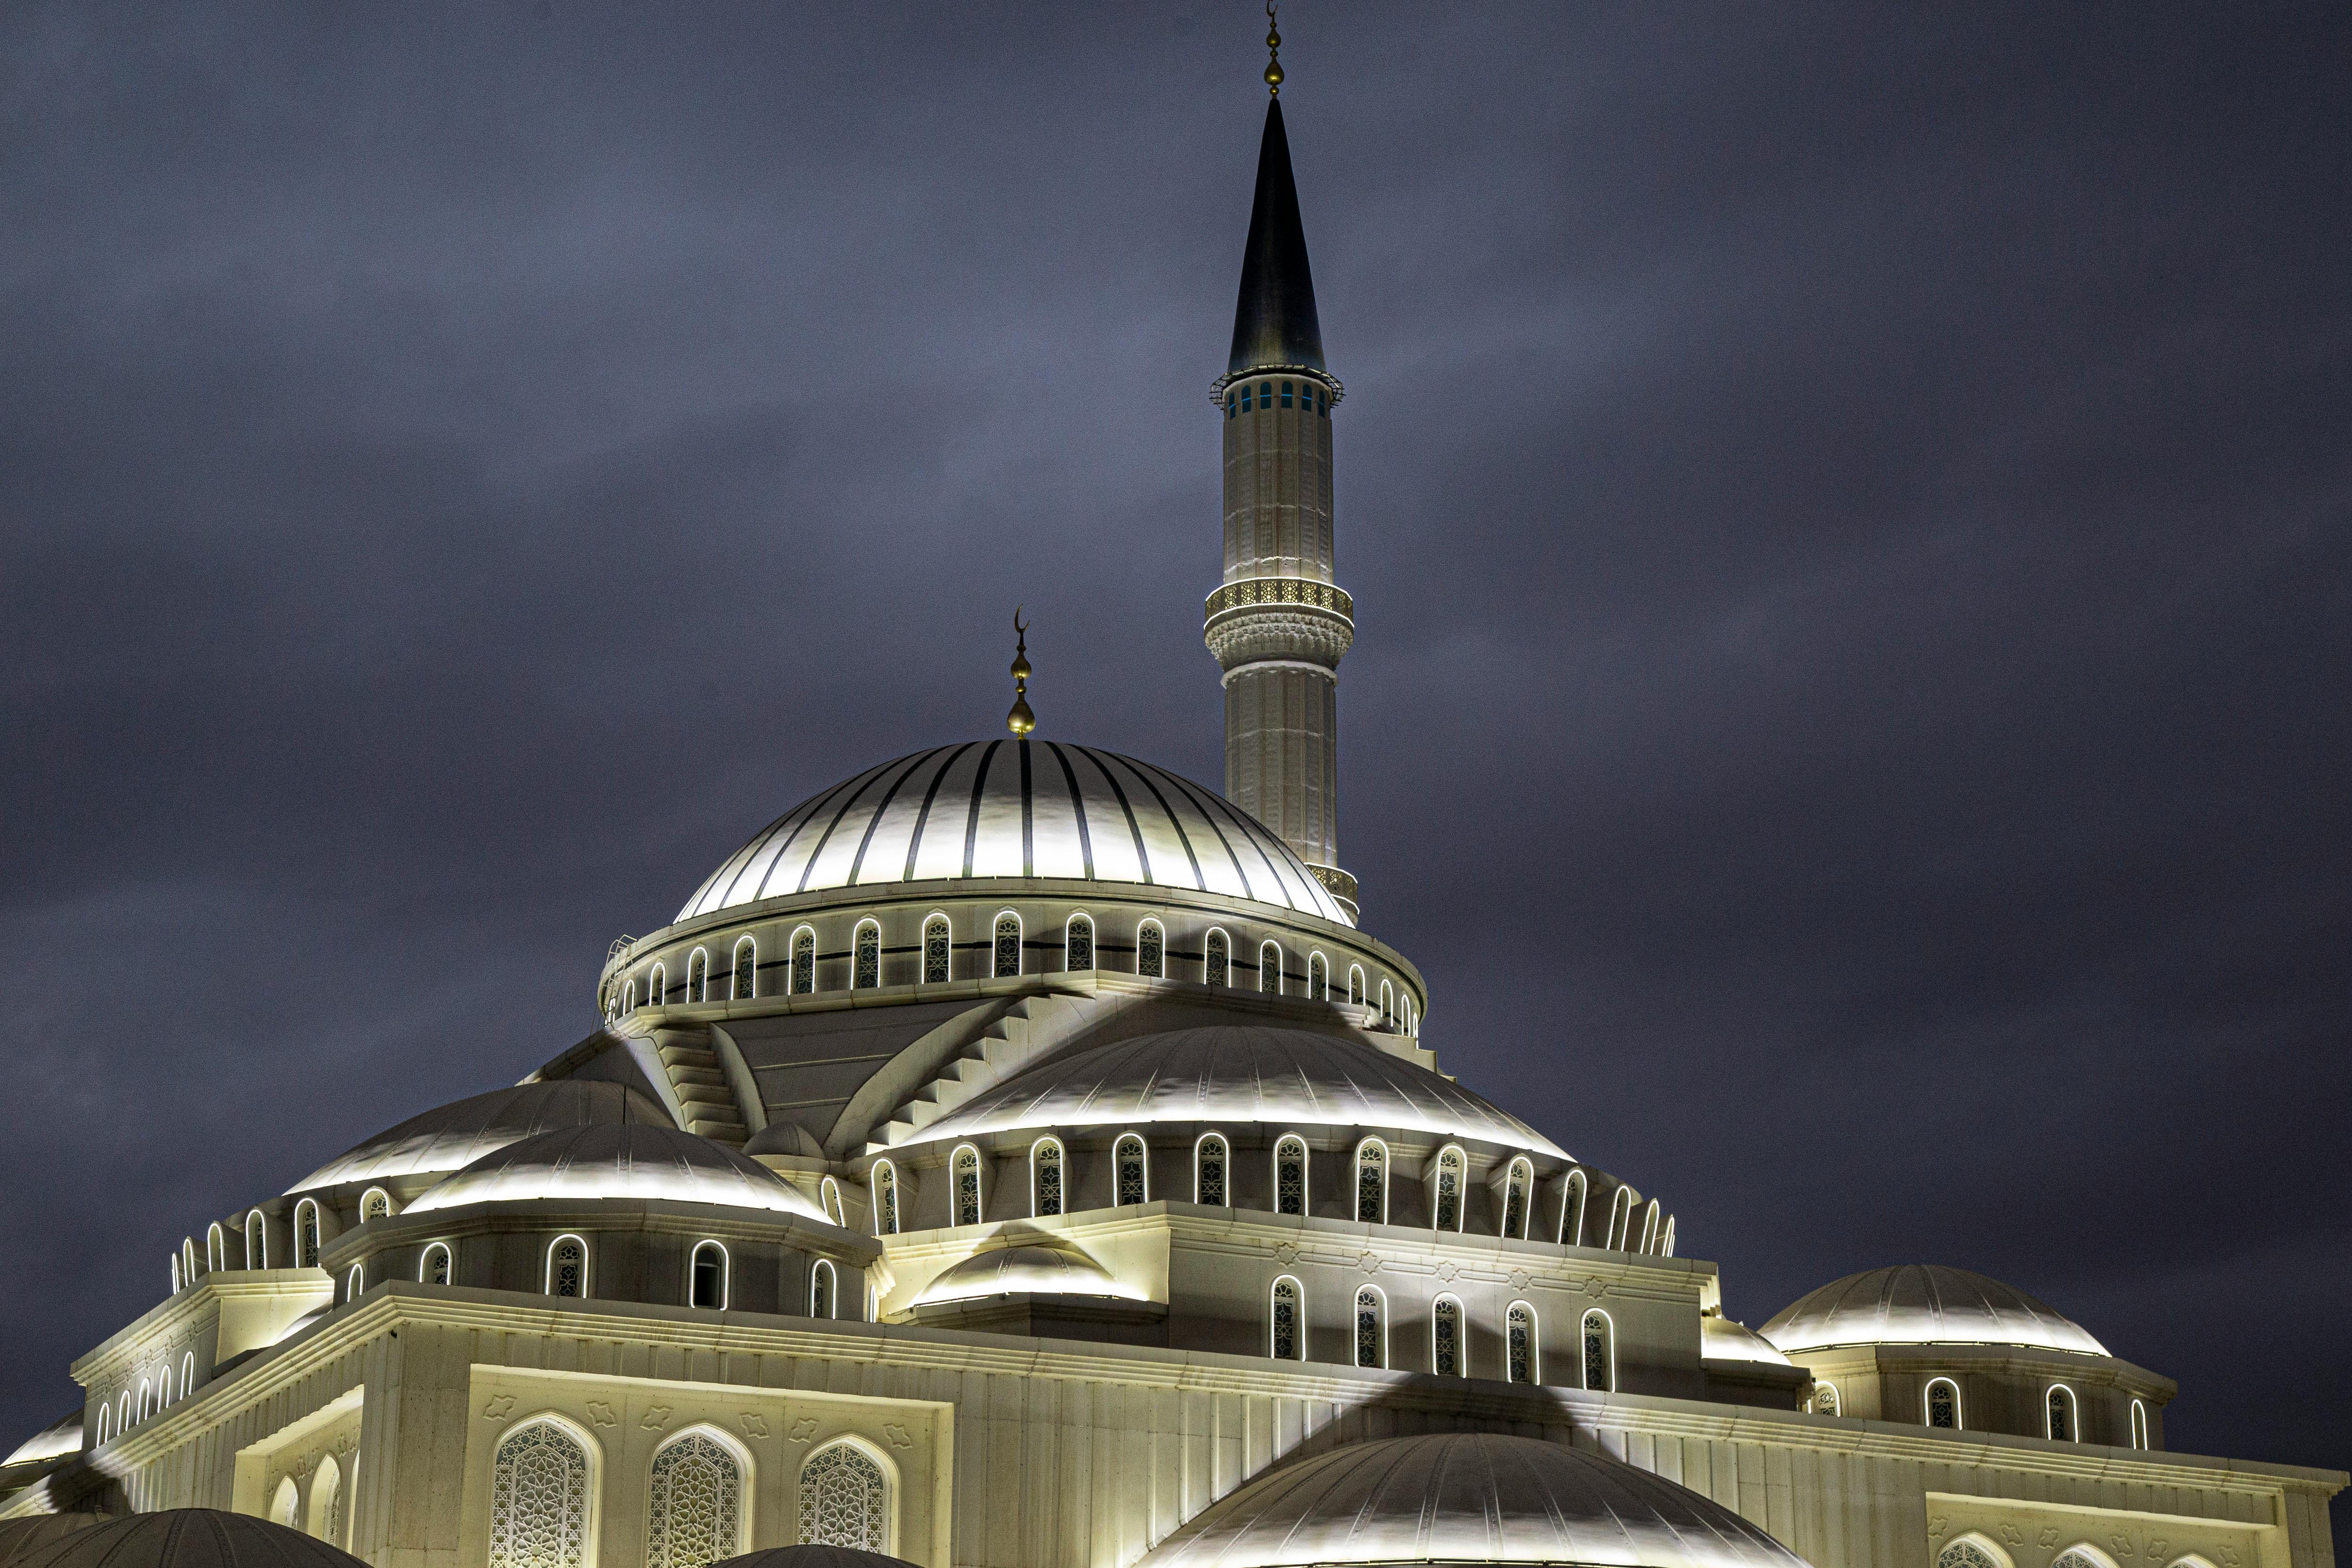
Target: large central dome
{"points": [[1017, 808]]}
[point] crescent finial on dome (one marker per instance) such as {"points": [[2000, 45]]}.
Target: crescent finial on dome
{"points": [[1020, 720]]}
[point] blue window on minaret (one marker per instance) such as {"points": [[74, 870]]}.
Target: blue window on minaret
{"points": [[1286, 395], [1246, 400], [1229, 405], [1266, 395]]}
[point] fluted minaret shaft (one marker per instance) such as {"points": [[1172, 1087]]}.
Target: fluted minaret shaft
{"points": [[1279, 624]]}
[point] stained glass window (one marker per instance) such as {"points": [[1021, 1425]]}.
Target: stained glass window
{"points": [[1210, 1171], [437, 1264], [1269, 969], [1150, 960], [1008, 946], [694, 1515], [937, 950], [1371, 1183], [845, 1500], [868, 971], [1571, 1211], [567, 1267], [1514, 1199], [1078, 948], [1969, 1554], [709, 1275], [1285, 1320], [539, 1500], [967, 1186], [1599, 1363], [1046, 1175], [886, 1199], [803, 961], [1217, 966], [2062, 1415], [1519, 1344], [747, 970], [374, 1204], [1446, 1338], [1944, 1405], [1290, 1177], [1449, 1190], [1132, 1184], [1369, 1347]]}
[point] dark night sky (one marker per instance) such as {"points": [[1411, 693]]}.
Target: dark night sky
{"points": [[1849, 510]]}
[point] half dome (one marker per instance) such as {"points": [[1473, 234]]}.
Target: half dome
{"points": [[1023, 1270], [1720, 1339], [1467, 1496], [451, 1137], [635, 1160], [1017, 808], [1237, 1074], [186, 1538], [813, 1557], [1923, 1303]]}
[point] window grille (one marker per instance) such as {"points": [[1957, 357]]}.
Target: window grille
{"points": [[1446, 1338], [696, 1508], [1290, 1177], [804, 962], [1150, 960], [1008, 946], [539, 1500], [938, 950], [1519, 1344], [1209, 1177], [867, 972], [1285, 1320], [1132, 1185]]}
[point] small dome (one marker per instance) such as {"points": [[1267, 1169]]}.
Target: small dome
{"points": [[813, 1557], [186, 1538], [32, 1532], [59, 1437], [1023, 1270], [630, 1160], [1017, 808], [1923, 1303], [1466, 1497], [1720, 1339], [1237, 1074], [451, 1137]]}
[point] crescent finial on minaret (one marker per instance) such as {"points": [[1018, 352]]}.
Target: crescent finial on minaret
{"points": [[1020, 720]]}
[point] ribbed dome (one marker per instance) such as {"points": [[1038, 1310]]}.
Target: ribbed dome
{"points": [[632, 1159], [1467, 1496], [813, 1557], [1237, 1074], [59, 1437], [1923, 1303], [453, 1136], [21, 1536], [1023, 1270], [186, 1538], [1720, 1339], [1017, 808]]}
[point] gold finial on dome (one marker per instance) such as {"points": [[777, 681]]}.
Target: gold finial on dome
{"points": [[1020, 720], [1273, 54]]}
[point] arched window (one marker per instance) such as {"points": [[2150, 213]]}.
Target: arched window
{"points": [[1667, 1247], [1290, 1177], [694, 1509], [434, 1269], [1825, 1399], [828, 1192], [706, 1279], [698, 976], [1269, 969], [257, 1241], [187, 1374], [1970, 1552], [2138, 1423], [374, 1204], [882, 1183], [1448, 1208], [1519, 1352], [1372, 1182], [215, 1247], [2059, 1407], [286, 1505], [1208, 1157], [540, 1494], [629, 995], [105, 1425], [123, 1413], [188, 1259], [938, 950], [1516, 1188], [1216, 963], [306, 1235], [146, 1399], [2078, 1557], [657, 986], [1621, 1218], [1045, 1177], [747, 970], [1150, 951], [825, 1289], [1445, 1357], [804, 962], [176, 1286], [1318, 977], [1285, 1321], [163, 1385], [965, 1163], [845, 1500], [1133, 1170], [1650, 1227], [1078, 944], [1571, 1210], [1371, 1328], [1600, 1353], [1943, 1403], [1388, 1003], [1008, 946], [567, 1267], [866, 957], [1356, 985], [354, 1282]]}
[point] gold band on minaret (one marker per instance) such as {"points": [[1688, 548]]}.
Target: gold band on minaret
{"points": [[1020, 720], [1273, 54]]}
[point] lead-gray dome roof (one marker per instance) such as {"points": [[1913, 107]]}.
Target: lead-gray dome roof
{"points": [[186, 1538], [1022, 1270], [1017, 808], [1236, 1074], [1923, 1303], [1466, 1497], [636, 1160], [450, 1137]]}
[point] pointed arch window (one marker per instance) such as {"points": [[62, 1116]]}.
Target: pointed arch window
{"points": [[698, 976], [1355, 985], [257, 1241], [1045, 1177], [1269, 969], [1133, 1170], [965, 1165], [1943, 1403], [567, 1267], [1571, 1210], [708, 1277], [1290, 1176], [882, 1181], [1516, 1188], [1078, 944], [845, 1500], [1600, 1337], [1445, 1337], [374, 1204], [1318, 977], [1008, 946], [1216, 963], [695, 1506], [1825, 1399], [747, 970], [866, 964], [2060, 1415], [1209, 1160], [539, 1498], [1150, 951], [1371, 1328], [938, 950], [1519, 1352], [2139, 1423], [1285, 1320], [306, 1235], [434, 1269], [1372, 1182], [354, 1282], [804, 962], [1968, 1553], [825, 1289], [1448, 1207]]}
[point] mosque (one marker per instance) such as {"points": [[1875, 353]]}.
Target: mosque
{"points": [[1017, 1155]]}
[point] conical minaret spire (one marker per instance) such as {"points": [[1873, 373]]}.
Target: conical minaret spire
{"points": [[1279, 623]]}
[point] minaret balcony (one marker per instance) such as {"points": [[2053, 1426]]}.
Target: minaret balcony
{"points": [[1279, 619], [1253, 591]]}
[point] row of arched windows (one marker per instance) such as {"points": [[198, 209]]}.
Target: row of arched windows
{"points": [[1975, 1550], [156, 1391], [253, 1235], [1239, 399], [565, 1273], [543, 1484], [1449, 1349], [1939, 1407], [1005, 947]]}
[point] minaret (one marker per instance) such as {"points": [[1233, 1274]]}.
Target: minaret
{"points": [[1279, 623]]}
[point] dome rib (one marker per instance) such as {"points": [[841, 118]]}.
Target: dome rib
{"points": [[449, 1137], [633, 1161]]}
